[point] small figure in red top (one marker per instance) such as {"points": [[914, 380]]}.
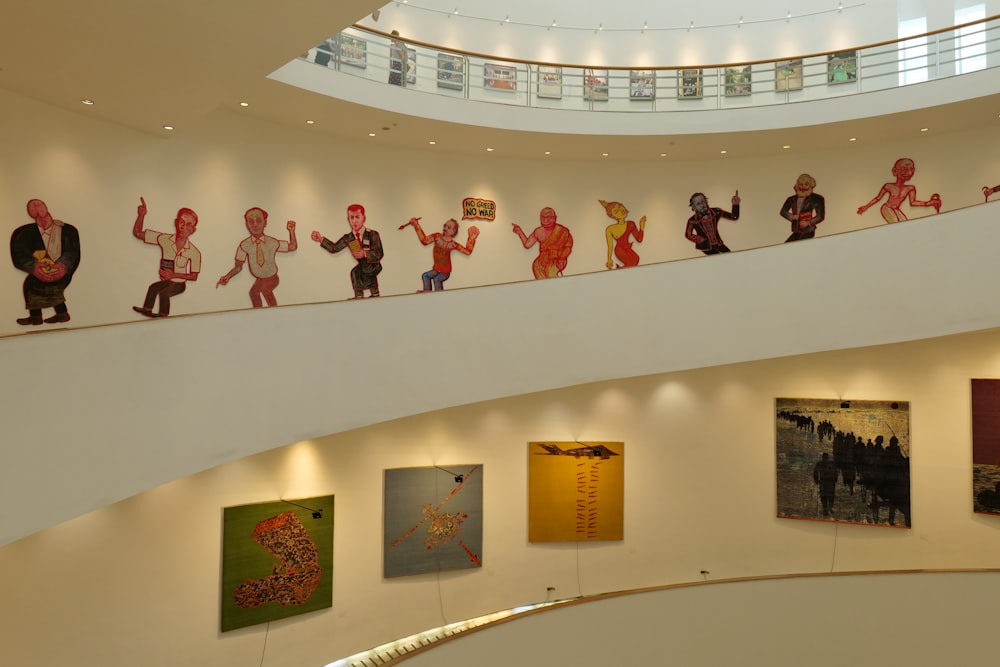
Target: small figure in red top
{"points": [[444, 242]]}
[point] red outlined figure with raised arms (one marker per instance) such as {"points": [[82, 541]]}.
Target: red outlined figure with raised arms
{"points": [[987, 191], [180, 260], [48, 250], [619, 235], [805, 209], [900, 191], [703, 227], [258, 251], [444, 243], [555, 243]]}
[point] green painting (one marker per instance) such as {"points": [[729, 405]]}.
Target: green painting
{"points": [[277, 560]]}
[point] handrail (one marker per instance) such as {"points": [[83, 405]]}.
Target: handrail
{"points": [[476, 54], [667, 88], [394, 652]]}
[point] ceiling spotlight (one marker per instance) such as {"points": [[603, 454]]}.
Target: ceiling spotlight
{"points": [[88, 102], [723, 152], [371, 134], [663, 155], [548, 152], [740, 24], [840, 7], [489, 150], [924, 129], [375, 15], [455, 13], [432, 143], [644, 26], [604, 154], [786, 146], [691, 25], [244, 104], [789, 17], [168, 127], [853, 139], [310, 122]]}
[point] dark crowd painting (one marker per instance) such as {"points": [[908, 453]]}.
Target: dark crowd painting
{"points": [[986, 446], [843, 461], [277, 560], [433, 519]]}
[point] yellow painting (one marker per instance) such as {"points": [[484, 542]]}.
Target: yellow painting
{"points": [[576, 491]]}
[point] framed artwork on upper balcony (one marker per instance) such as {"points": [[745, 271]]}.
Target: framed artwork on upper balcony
{"points": [[842, 67], [550, 82], [689, 84], [788, 75], [595, 85], [450, 71], [738, 81], [642, 84], [353, 51], [500, 77]]}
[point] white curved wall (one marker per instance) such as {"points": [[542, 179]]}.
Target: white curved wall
{"points": [[138, 405]]}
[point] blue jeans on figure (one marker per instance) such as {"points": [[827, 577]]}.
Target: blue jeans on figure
{"points": [[435, 277]]}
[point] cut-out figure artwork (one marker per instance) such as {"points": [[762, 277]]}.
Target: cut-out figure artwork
{"points": [[900, 191], [48, 250], [805, 209], [703, 227], [619, 235], [444, 243], [555, 243], [366, 248], [180, 260], [987, 191], [258, 251]]}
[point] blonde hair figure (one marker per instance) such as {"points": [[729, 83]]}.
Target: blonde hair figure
{"points": [[618, 235]]}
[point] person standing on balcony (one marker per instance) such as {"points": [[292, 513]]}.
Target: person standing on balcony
{"points": [[397, 60]]}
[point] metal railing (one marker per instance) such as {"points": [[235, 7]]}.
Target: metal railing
{"points": [[434, 70]]}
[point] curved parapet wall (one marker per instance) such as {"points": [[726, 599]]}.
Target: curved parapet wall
{"points": [[150, 404], [922, 619]]}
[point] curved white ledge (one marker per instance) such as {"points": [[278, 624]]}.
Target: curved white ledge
{"points": [[129, 407], [922, 619]]}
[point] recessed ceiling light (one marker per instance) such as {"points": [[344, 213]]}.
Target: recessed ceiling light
{"points": [[168, 127], [548, 152], [924, 129], [244, 104], [604, 154], [663, 155], [723, 152], [88, 102], [853, 139], [489, 150], [310, 122], [371, 134], [786, 146], [432, 143]]}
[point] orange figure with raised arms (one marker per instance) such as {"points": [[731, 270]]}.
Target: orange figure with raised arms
{"points": [[618, 235], [555, 243], [900, 191]]}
